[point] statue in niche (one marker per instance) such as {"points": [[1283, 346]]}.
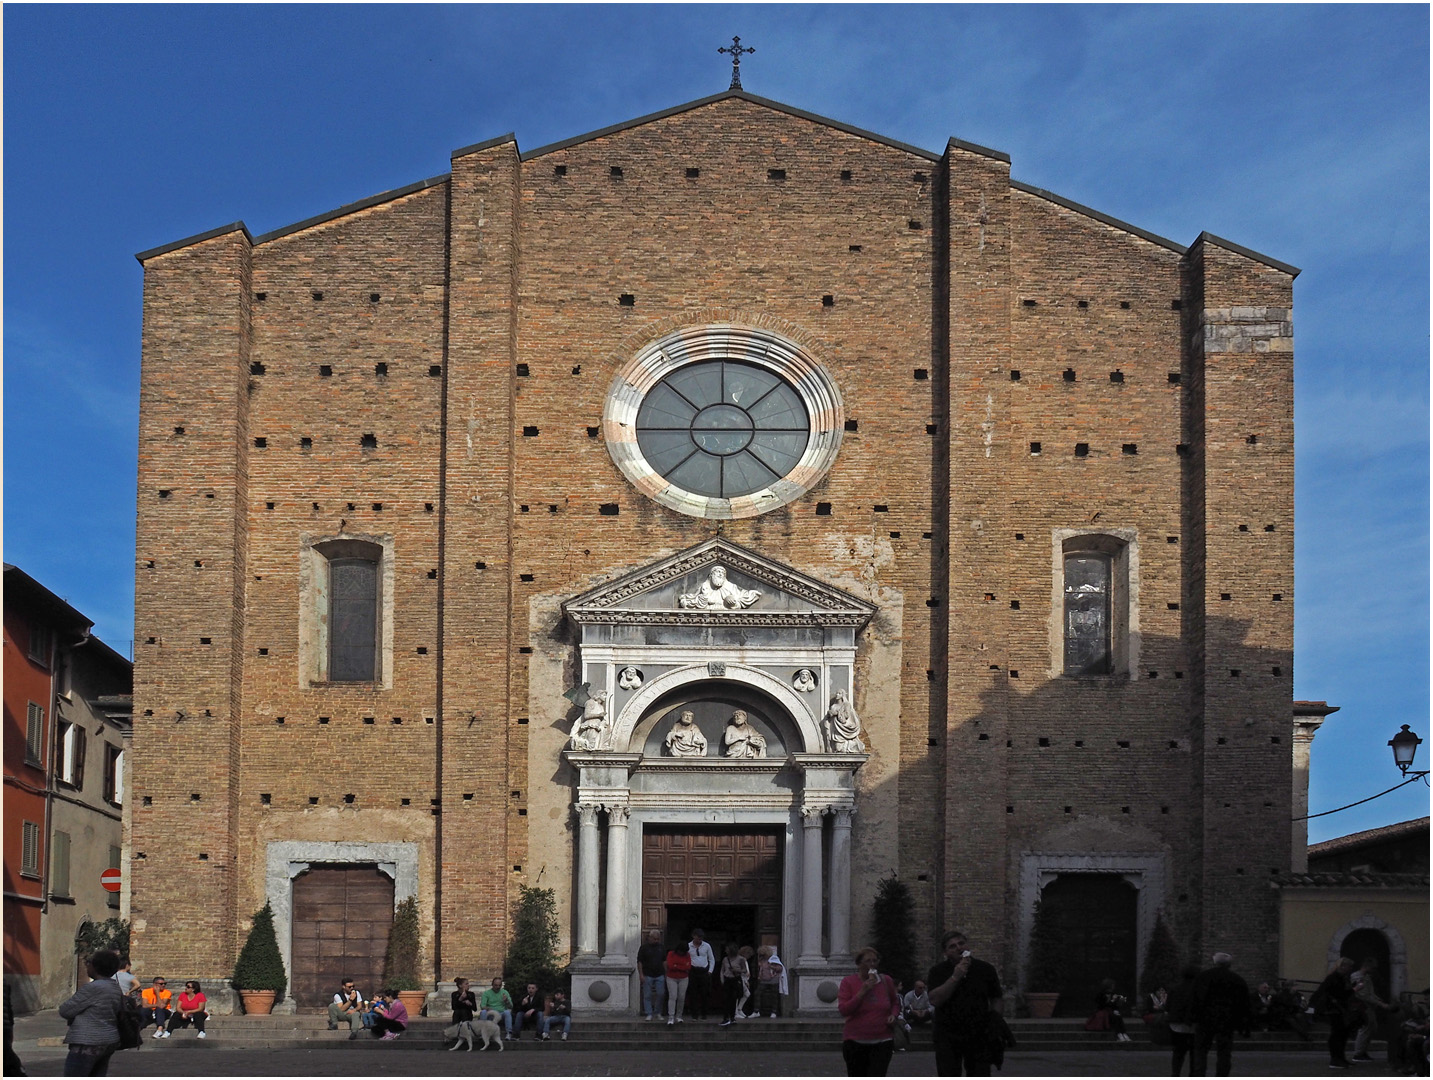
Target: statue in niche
{"points": [[590, 732], [805, 681], [717, 592], [686, 739], [741, 739], [843, 726], [629, 679]]}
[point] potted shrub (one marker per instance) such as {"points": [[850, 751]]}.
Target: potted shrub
{"points": [[259, 973], [1042, 981], [400, 962]]}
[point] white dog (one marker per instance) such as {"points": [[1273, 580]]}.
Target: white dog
{"points": [[471, 1030]]}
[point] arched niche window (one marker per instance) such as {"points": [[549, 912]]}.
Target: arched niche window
{"points": [[1095, 627], [345, 633]]}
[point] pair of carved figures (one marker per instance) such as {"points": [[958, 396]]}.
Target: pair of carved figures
{"points": [[841, 729], [739, 740]]}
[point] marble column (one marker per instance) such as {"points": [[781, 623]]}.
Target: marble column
{"points": [[811, 818], [587, 867], [616, 923], [841, 882]]}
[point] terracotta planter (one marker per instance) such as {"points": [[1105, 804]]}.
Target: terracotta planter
{"points": [[413, 1001], [1042, 1006], [258, 1002]]}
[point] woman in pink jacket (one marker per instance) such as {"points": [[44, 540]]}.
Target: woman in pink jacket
{"points": [[869, 1003]]}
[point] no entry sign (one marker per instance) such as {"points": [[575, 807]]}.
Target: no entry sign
{"points": [[110, 879]]}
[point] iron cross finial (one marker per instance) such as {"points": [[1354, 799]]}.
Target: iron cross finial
{"points": [[736, 49]]}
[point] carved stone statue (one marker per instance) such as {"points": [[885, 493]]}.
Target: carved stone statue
{"points": [[805, 681], [629, 678], [843, 726], [741, 739], [686, 739], [590, 732], [717, 592]]}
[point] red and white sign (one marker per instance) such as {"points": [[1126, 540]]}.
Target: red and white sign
{"points": [[110, 879]]}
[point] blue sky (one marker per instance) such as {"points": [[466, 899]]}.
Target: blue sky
{"points": [[1299, 131]]}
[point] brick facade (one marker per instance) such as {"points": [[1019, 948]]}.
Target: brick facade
{"points": [[503, 298]]}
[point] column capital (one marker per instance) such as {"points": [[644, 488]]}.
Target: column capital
{"points": [[587, 812], [844, 814], [617, 815], [812, 814]]}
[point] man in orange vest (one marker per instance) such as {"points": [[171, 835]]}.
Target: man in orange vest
{"points": [[156, 1003]]}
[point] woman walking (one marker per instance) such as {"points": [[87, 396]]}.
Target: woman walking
{"points": [[869, 1003], [733, 977], [93, 1015]]}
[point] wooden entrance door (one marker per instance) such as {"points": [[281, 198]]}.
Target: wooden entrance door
{"points": [[342, 916], [1096, 916], [690, 869]]}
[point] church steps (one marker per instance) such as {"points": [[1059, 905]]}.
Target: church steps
{"points": [[280, 1032]]}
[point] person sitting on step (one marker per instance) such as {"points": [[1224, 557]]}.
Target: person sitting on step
{"points": [[556, 1012], [191, 1008], [156, 1003], [347, 1007]]}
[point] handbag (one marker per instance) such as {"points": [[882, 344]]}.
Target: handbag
{"points": [[899, 1035]]}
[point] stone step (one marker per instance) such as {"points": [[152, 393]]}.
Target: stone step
{"points": [[295, 1032]]}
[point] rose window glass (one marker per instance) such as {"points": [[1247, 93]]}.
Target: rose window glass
{"points": [[722, 428]]}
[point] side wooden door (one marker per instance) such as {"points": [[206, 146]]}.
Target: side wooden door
{"points": [[342, 916]]}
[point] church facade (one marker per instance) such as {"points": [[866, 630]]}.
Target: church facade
{"points": [[706, 518]]}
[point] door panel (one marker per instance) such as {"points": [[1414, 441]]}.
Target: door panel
{"points": [[342, 916]]}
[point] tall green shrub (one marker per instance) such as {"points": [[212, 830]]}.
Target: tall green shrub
{"points": [[260, 966], [1046, 958], [532, 953], [893, 932], [400, 962], [1161, 962]]}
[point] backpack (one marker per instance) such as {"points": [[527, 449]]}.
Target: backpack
{"points": [[130, 1022], [765, 972]]}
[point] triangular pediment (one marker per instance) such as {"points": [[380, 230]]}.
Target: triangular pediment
{"points": [[719, 583]]}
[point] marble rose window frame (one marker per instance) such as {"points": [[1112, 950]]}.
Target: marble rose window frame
{"points": [[744, 345]]}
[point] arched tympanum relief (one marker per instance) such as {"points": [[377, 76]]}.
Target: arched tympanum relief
{"points": [[774, 709]]}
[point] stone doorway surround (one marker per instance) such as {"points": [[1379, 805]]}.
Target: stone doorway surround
{"points": [[287, 859], [758, 631]]}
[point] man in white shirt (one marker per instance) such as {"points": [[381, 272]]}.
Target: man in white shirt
{"points": [[916, 1005], [703, 965]]}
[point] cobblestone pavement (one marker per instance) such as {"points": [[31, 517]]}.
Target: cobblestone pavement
{"points": [[552, 1060]]}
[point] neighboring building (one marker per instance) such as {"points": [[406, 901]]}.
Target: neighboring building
{"points": [[66, 726], [1365, 894], [977, 502]]}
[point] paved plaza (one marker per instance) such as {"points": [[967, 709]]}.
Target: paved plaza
{"points": [[36, 1041]]}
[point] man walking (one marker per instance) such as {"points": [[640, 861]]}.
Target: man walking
{"points": [[965, 993], [651, 965], [1221, 1007], [703, 966]]}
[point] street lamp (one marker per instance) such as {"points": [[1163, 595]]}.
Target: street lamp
{"points": [[1405, 745]]}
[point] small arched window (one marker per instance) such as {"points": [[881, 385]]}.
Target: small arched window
{"points": [[354, 605], [1088, 581]]}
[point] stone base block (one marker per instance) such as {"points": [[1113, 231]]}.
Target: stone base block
{"points": [[815, 987], [599, 988]]}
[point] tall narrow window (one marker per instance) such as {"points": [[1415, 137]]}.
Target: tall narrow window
{"points": [[60, 864], [34, 734], [71, 766], [40, 644], [113, 774], [115, 855], [353, 610], [30, 849], [1087, 614]]}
